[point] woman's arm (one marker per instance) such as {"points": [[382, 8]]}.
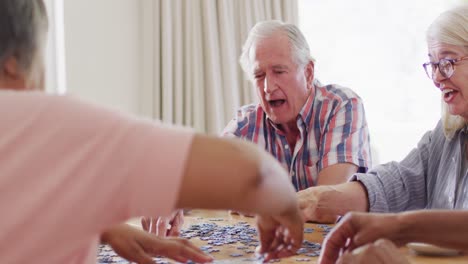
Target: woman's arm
{"points": [[445, 228], [438, 227], [233, 174], [230, 173]]}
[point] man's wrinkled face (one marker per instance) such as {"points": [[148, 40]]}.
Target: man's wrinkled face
{"points": [[282, 86]]}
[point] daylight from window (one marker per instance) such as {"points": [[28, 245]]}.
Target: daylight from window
{"points": [[377, 48]]}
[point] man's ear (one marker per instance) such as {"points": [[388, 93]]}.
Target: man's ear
{"points": [[309, 74]]}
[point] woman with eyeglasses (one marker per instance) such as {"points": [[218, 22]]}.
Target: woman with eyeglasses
{"points": [[432, 176]]}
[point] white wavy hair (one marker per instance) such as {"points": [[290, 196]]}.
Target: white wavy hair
{"points": [[261, 30]]}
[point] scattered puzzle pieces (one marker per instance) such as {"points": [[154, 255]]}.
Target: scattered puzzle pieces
{"points": [[216, 236]]}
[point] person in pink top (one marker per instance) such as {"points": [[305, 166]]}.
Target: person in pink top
{"points": [[71, 171]]}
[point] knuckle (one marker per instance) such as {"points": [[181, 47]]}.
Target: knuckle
{"points": [[371, 249], [185, 242], [382, 242]]}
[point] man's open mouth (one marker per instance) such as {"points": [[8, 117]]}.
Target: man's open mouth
{"points": [[276, 103]]}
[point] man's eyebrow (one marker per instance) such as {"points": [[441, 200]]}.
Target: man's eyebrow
{"points": [[274, 67], [280, 67], [257, 71]]}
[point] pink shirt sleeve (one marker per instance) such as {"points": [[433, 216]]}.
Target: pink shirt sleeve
{"points": [[69, 169]]}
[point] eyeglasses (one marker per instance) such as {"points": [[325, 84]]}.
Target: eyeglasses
{"points": [[446, 67]]}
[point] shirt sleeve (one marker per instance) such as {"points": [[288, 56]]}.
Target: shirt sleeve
{"points": [[231, 130], [74, 169], [346, 137], [399, 186], [243, 124]]}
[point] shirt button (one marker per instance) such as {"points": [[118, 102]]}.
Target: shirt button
{"points": [[286, 146]]}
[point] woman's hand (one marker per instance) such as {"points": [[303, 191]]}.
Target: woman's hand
{"points": [[138, 246]]}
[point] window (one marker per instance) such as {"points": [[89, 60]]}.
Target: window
{"points": [[376, 48]]}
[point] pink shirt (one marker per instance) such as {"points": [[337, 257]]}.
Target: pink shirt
{"points": [[69, 170]]}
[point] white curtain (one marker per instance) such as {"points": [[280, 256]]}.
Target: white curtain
{"points": [[55, 49], [191, 74]]}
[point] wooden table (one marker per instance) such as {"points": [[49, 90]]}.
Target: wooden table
{"points": [[198, 216]]}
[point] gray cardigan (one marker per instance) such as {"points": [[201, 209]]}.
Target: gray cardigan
{"points": [[429, 177]]}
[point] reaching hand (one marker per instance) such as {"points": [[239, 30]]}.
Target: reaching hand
{"points": [[280, 236], [140, 247], [358, 229], [380, 252], [164, 226]]}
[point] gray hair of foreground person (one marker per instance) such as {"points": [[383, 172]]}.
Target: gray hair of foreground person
{"points": [[23, 28]]}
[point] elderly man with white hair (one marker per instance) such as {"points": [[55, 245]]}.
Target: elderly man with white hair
{"points": [[318, 132]]}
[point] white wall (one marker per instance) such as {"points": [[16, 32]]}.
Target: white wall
{"points": [[102, 51]]}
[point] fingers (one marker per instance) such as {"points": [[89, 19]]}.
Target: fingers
{"points": [[234, 212], [380, 252], [357, 258], [145, 223], [137, 254], [161, 227], [389, 253], [266, 231], [138, 246], [281, 236], [176, 224], [123, 242], [150, 224], [337, 240], [293, 230], [164, 226], [179, 249], [245, 214], [271, 238]]}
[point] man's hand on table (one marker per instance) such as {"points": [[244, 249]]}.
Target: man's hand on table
{"points": [[280, 236], [164, 226], [138, 246], [311, 206], [359, 229]]}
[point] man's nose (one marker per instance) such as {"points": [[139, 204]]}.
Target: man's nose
{"points": [[269, 85]]}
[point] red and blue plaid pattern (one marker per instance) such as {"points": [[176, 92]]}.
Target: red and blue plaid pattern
{"points": [[333, 129]]}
